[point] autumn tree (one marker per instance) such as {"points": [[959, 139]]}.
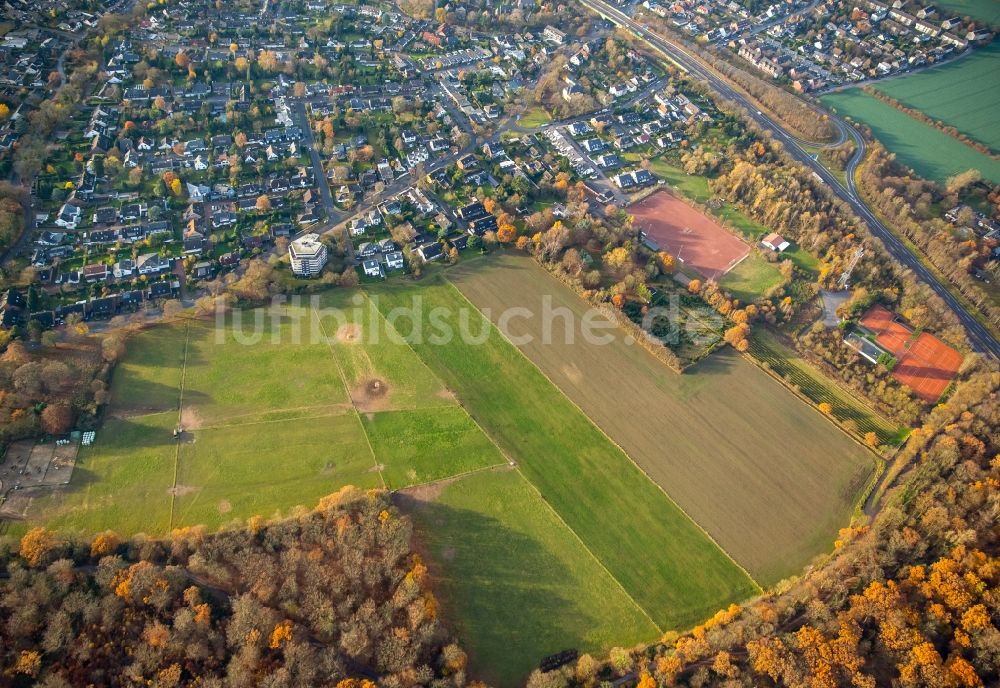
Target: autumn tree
{"points": [[37, 545], [57, 419]]}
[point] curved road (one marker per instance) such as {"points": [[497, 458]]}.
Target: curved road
{"points": [[979, 337]]}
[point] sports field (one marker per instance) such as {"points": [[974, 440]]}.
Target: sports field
{"points": [[964, 93], [925, 364], [751, 278], [694, 238], [932, 154], [766, 475], [273, 416]]}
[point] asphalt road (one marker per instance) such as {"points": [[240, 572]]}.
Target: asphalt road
{"points": [[979, 337]]}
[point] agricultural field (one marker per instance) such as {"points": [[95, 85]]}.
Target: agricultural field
{"points": [[964, 93], [731, 446], [932, 154], [810, 382], [644, 540], [487, 532]]}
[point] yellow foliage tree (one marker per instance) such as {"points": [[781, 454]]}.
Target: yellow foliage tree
{"points": [[282, 633], [36, 545], [28, 663]]}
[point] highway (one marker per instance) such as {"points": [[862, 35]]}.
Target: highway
{"points": [[979, 337]]}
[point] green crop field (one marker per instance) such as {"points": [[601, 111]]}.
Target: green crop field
{"points": [[984, 10], [643, 539], [964, 94], [932, 154], [735, 449], [516, 582]]}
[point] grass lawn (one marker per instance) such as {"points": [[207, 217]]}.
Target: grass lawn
{"points": [[516, 582], [275, 416], [751, 278], [428, 444], [766, 475], [149, 377], [932, 154], [368, 348], [964, 94], [646, 542], [230, 377], [534, 117], [237, 471], [985, 10], [123, 482]]}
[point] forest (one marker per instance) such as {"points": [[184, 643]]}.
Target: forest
{"points": [[331, 597]]}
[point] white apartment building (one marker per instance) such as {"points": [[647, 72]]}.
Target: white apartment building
{"points": [[308, 255]]}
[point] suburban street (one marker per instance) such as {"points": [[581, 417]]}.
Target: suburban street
{"points": [[979, 337]]}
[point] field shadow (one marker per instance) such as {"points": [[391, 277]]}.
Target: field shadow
{"points": [[504, 593], [147, 397]]}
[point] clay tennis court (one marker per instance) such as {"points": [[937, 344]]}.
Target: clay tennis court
{"points": [[688, 234], [925, 363]]}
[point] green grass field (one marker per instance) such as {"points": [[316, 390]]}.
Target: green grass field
{"points": [[984, 10], [646, 542], [964, 94], [428, 444], [932, 154], [275, 416], [516, 582], [753, 277], [735, 449]]}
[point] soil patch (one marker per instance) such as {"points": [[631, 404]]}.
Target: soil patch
{"points": [[181, 490], [370, 395], [190, 419], [349, 333], [225, 506]]}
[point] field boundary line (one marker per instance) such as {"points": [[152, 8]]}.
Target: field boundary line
{"points": [[459, 476], [659, 629], [180, 411], [590, 420], [223, 426], [347, 388]]}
